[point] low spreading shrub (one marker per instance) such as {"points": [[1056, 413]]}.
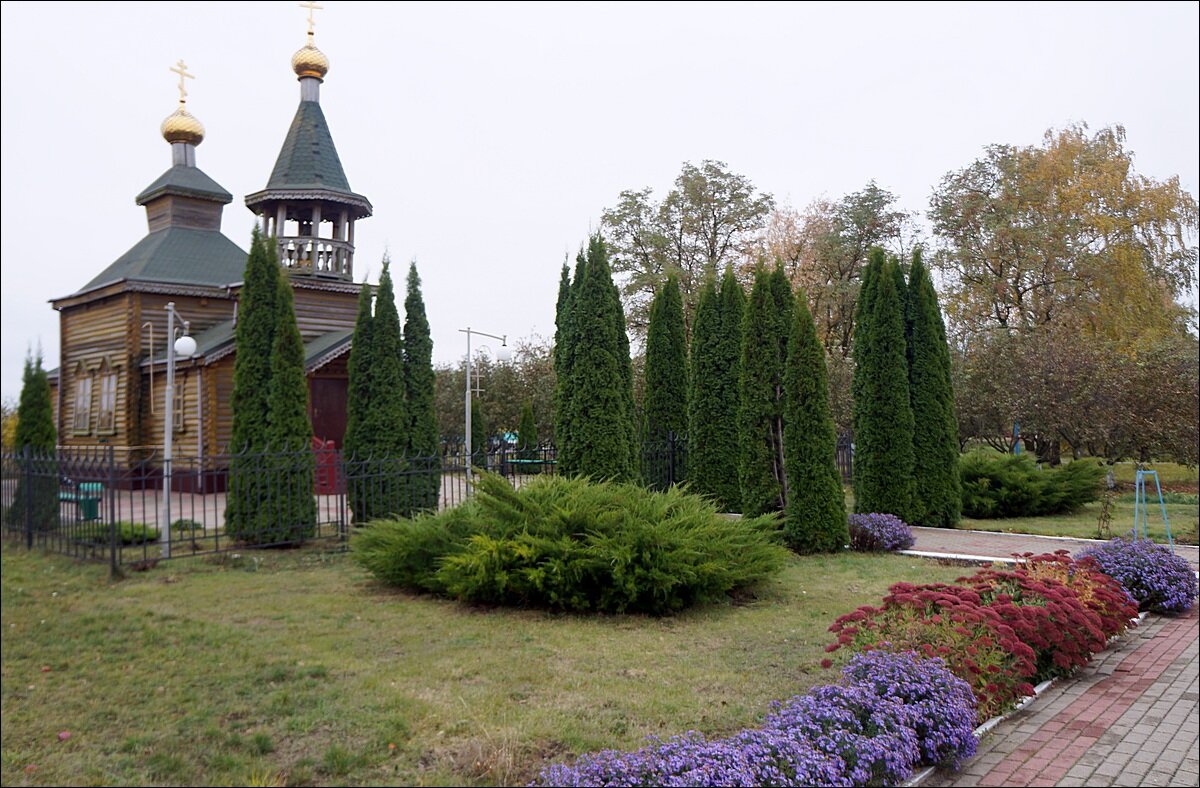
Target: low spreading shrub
{"points": [[876, 532], [889, 714], [1045, 614], [953, 623], [1007, 485], [1159, 581], [573, 544], [127, 533], [1100, 593]]}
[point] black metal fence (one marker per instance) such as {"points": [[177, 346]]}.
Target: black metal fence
{"points": [[86, 504]]}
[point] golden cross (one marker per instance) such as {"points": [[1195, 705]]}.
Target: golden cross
{"points": [[181, 69], [311, 6]]}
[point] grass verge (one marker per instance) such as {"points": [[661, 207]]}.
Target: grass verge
{"points": [[298, 669]]}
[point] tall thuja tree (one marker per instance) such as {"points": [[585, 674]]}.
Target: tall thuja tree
{"points": [[254, 338], [387, 424], [883, 473], [356, 445], [290, 506], [419, 384], [666, 395], [937, 488], [709, 470], [564, 354], [600, 437], [765, 329], [863, 311], [527, 437], [615, 309], [36, 496], [815, 519]]}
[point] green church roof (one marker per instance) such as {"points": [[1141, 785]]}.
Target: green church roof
{"points": [[177, 255], [308, 159], [326, 347], [188, 181]]}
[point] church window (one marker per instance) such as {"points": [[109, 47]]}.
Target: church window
{"points": [[83, 401], [106, 418]]}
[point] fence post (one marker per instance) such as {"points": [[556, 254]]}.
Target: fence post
{"points": [[113, 563], [28, 462]]}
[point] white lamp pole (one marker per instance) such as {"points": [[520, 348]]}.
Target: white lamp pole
{"points": [[467, 396], [185, 346]]}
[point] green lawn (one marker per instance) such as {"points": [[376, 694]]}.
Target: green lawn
{"points": [[1182, 517], [296, 668]]}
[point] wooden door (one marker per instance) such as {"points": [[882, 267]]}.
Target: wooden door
{"points": [[327, 408]]}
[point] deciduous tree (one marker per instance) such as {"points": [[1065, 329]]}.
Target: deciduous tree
{"points": [[706, 222]]}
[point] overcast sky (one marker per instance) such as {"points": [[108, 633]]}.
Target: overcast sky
{"points": [[490, 137]]}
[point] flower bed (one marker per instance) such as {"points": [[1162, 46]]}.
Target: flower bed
{"points": [[932, 661], [1159, 581], [890, 714]]}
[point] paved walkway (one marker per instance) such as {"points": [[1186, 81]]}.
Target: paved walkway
{"points": [[992, 544], [1131, 717]]}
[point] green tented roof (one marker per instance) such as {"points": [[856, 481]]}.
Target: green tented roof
{"points": [[178, 255], [308, 159], [188, 181]]}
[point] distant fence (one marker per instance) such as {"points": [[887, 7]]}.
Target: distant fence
{"points": [[86, 504]]}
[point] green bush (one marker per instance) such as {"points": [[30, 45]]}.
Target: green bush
{"points": [[573, 544], [1006, 485], [127, 533]]}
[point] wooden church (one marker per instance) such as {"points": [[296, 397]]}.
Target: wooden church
{"points": [[111, 383]]}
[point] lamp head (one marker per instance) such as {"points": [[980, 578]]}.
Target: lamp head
{"points": [[185, 346]]}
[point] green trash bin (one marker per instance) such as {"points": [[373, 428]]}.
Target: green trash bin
{"points": [[90, 494]]}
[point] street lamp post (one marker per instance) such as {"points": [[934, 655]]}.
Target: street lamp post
{"points": [[184, 346], [467, 396]]}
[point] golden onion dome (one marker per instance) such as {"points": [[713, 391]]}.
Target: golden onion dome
{"points": [[310, 62], [182, 126]]}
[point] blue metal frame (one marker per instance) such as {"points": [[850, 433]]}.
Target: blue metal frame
{"points": [[1141, 513]]}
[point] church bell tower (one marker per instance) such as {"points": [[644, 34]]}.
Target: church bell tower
{"points": [[308, 204]]}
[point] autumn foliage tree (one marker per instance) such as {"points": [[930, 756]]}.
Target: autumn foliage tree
{"points": [[707, 221]]}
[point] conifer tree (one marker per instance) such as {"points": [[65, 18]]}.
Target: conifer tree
{"points": [[713, 446], [291, 509], [937, 489], [387, 422], [816, 510], [37, 495], [883, 480], [419, 383], [600, 436], [527, 437], [356, 445], [563, 354], [708, 421], [765, 330], [254, 338], [861, 343], [666, 381]]}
